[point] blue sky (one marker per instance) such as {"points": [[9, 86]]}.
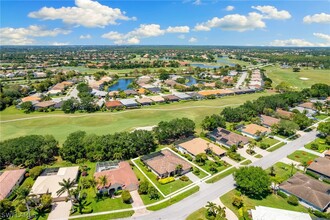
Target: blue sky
{"points": [[197, 22]]}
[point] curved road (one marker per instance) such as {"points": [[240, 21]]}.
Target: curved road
{"points": [[210, 192]]}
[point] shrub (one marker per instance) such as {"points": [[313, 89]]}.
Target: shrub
{"points": [[184, 178], [293, 200], [188, 157], [153, 193], [126, 197], [35, 172], [87, 210], [264, 146], [118, 192], [143, 187], [166, 180], [282, 194], [314, 146], [22, 208], [234, 156], [312, 174], [237, 201], [196, 171]]}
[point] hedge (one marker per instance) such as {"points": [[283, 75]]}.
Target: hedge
{"points": [[166, 180], [282, 194]]}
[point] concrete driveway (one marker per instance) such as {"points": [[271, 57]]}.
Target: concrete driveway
{"points": [[137, 202], [60, 211]]}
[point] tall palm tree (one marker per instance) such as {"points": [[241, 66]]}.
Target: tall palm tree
{"points": [[292, 167], [23, 194], [103, 180], [304, 164], [66, 186], [211, 206], [220, 211]]}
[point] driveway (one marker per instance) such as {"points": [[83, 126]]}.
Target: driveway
{"points": [[60, 211], [137, 202], [192, 177]]}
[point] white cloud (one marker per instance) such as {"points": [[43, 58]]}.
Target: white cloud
{"points": [[87, 13], [182, 36], [87, 36], [270, 12], [192, 40], [303, 43], [321, 18], [197, 2], [234, 22], [229, 8], [178, 29], [60, 43], [23, 36]]}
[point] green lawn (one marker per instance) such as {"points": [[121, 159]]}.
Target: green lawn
{"points": [[270, 141], [282, 171], [222, 175], [60, 125], [174, 199], [165, 188], [258, 156], [207, 167], [246, 162], [109, 216], [276, 147], [198, 215], [302, 156], [321, 144], [279, 75], [271, 200], [321, 116]]}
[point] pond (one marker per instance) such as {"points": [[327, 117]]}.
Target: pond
{"points": [[121, 84], [225, 60], [191, 81], [201, 65]]}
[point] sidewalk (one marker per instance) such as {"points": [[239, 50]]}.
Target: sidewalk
{"points": [[311, 151]]}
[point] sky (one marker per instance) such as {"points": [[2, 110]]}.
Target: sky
{"points": [[166, 22]]}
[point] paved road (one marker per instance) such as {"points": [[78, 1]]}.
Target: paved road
{"points": [[211, 192], [241, 79]]}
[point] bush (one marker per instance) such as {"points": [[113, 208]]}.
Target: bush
{"points": [[196, 171], [166, 180], [188, 157], [153, 193], [237, 201], [234, 156], [143, 187], [35, 172], [118, 192], [87, 210], [22, 208], [293, 200], [282, 194], [126, 197], [264, 146], [314, 146], [184, 178], [312, 174]]}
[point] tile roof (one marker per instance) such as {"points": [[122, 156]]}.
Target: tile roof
{"points": [[8, 180], [309, 105], [123, 175], [284, 113], [227, 137], [199, 145], [254, 128], [157, 99], [166, 162], [45, 104], [269, 121], [114, 103], [128, 102], [321, 165], [144, 101], [31, 98], [308, 189], [171, 97]]}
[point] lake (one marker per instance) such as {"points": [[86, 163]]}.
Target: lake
{"points": [[201, 65], [225, 60], [121, 84], [191, 81]]}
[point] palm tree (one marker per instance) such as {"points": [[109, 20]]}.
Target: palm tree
{"points": [[251, 146], [118, 156], [178, 168], [92, 182], [23, 194], [66, 186], [103, 180], [220, 212], [272, 171], [81, 203], [304, 164], [211, 206], [292, 167]]}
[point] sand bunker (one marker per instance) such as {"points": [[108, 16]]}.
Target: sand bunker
{"points": [[303, 78]]}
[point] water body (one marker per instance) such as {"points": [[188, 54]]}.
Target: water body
{"points": [[191, 81], [201, 65], [225, 60], [121, 84]]}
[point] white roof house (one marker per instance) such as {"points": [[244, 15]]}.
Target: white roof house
{"points": [[267, 213], [182, 96], [50, 183]]}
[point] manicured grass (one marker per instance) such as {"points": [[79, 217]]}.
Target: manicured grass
{"points": [[270, 141], [222, 175], [109, 216], [166, 188], [60, 125], [207, 167], [247, 162], [282, 171], [258, 156], [271, 200], [174, 199], [279, 75], [276, 147], [320, 142], [321, 116], [199, 214], [302, 156]]}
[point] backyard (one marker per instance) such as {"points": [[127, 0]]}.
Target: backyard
{"points": [[302, 156]]}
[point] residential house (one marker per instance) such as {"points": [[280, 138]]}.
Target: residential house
{"points": [[182, 96], [48, 182], [195, 95], [308, 105], [320, 166], [31, 98], [227, 138], [39, 74], [157, 99], [44, 104], [129, 103], [254, 131], [198, 145], [113, 104], [165, 163], [144, 101], [130, 92], [309, 112], [9, 181], [310, 192], [171, 98], [120, 176], [267, 213], [284, 114], [268, 121]]}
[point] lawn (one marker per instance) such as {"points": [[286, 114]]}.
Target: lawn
{"points": [[222, 175], [109, 216], [199, 214], [258, 156], [207, 167], [282, 171], [276, 147], [246, 162], [165, 188], [175, 199], [60, 125], [271, 200], [321, 116], [279, 75], [269, 141], [302, 156], [322, 146]]}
